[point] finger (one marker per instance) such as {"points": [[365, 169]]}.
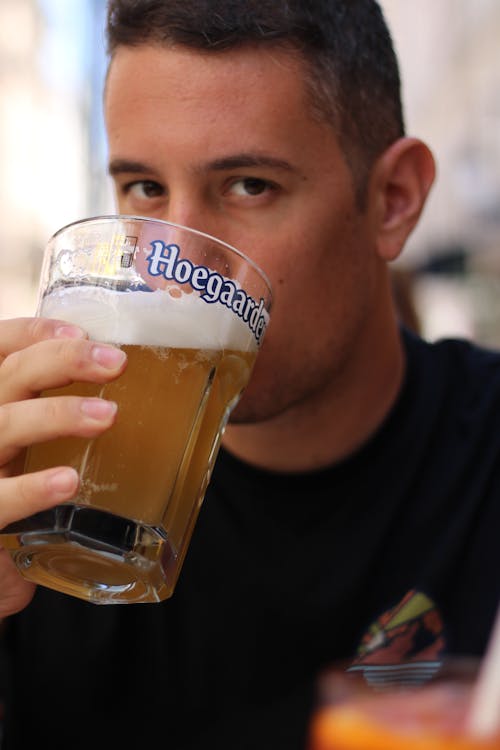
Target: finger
{"points": [[27, 494], [24, 423], [18, 333], [21, 497], [55, 363], [15, 591]]}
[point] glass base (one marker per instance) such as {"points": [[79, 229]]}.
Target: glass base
{"points": [[93, 555]]}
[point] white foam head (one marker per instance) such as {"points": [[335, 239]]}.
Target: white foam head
{"points": [[149, 318]]}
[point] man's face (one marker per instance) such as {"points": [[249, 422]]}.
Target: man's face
{"points": [[227, 143]]}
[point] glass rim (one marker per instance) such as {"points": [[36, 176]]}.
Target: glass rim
{"points": [[163, 222]]}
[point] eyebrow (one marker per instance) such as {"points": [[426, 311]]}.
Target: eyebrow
{"points": [[121, 166], [235, 161]]}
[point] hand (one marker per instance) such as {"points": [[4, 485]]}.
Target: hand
{"points": [[35, 354]]}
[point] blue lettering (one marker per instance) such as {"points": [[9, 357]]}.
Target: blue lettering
{"points": [[183, 271], [160, 264], [239, 304], [213, 288], [199, 278], [227, 294]]}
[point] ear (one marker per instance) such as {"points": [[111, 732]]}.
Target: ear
{"points": [[401, 180]]}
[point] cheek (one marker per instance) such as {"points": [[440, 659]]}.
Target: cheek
{"points": [[322, 293], [307, 289]]}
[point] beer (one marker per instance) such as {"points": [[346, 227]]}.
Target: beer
{"points": [[124, 536]]}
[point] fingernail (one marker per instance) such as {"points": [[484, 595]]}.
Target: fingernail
{"points": [[108, 356], [69, 332], [98, 409], [63, 481]]}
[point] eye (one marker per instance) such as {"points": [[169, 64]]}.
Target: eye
{"points": [[143, 189], [251, 186]]}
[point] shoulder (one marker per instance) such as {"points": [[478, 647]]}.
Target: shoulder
{"points": [[450, 396], [455, 350], [456, 364]]}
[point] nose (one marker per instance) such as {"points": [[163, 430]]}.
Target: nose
{"points": [[193, 211], [189, 209], [194, 206]]}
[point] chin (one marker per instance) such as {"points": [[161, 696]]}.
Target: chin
{"points": [[255, 406], [243, 413]]}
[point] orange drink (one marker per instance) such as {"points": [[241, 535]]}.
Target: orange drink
{"points": [[428, 717]]}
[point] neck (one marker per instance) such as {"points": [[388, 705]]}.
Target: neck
{"points": [[333, 422]]}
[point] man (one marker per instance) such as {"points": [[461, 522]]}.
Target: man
{"points": [[353, 511]]}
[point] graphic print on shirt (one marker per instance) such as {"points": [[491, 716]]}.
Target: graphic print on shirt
{"points": [[405, 644]]}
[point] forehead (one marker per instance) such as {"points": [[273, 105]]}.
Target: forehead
{"points": [[246, 93], [183, 68]]}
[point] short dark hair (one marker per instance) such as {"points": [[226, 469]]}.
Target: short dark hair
{"points": [[353, 73]]}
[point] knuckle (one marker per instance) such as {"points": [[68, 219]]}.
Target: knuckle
{"points": [[11, 364], [26, 489], [5, 420], [54, 411], [74, 354], [63, 414], [39, 329]]}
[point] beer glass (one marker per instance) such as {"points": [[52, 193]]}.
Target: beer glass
{"points": [[191, 313], [415, 706]]}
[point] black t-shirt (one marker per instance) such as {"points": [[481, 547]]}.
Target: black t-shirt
{"points": [[395, 551]]}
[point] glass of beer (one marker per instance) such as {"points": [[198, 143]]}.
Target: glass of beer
{"points": [[414, 706], [191, 313]]}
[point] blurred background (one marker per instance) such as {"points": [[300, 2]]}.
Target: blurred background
{"points": [[53, 150]]}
